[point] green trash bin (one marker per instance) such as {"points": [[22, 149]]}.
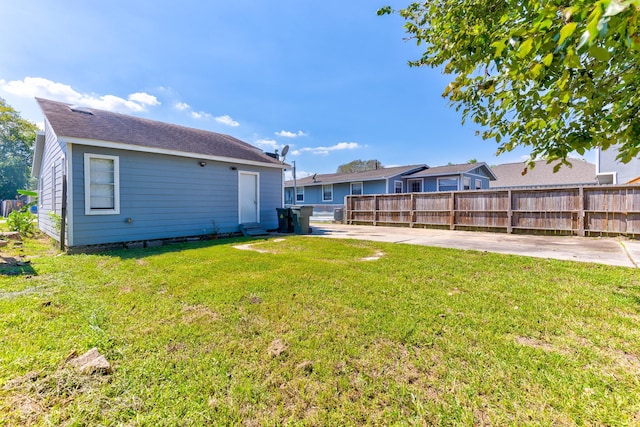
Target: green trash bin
{"points": [[301, 215], [285, 220]]}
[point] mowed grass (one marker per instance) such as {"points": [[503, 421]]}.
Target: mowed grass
{"points": [[312, 331]]}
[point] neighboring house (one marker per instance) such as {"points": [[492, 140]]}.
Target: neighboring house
{"points": [[513, 174], [468, 176], [331, 189], [128, 179], [610, 171]]}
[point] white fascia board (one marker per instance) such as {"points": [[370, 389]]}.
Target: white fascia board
{"points": [[38, 150], [143, 149]]}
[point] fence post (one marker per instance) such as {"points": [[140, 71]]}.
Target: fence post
{"points": [[509, 213], [581, 225], [452, 212], [375, 209], [347, 210], [412, 211]]}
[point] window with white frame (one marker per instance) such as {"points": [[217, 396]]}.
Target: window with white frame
{"points": [[415, 185], [397, 187], [478, 184], [356, 188], [327, 192], [101, 184], [448, 184], [299, 194], [288, 196], [467, 183]]}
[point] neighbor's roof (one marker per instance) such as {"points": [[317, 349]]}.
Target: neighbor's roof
{"points": [[511, 174], [372, 175], [454, 170], [98, 125]]}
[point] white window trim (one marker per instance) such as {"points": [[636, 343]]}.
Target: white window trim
{"points": [[478, 184], [331, 198], [457, 178], [361, 188], [410, 186], [395, 187], [465, 180], [295, 196], [87, 185]]}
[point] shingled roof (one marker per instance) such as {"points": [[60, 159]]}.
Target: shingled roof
{"points": [[454, 170], [371, 175], [90, 124], [542, 175]]}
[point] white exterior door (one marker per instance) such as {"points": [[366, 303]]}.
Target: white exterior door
{"points": [[249, 197]]}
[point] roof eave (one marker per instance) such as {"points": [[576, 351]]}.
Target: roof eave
{"points": [[145, 149]]}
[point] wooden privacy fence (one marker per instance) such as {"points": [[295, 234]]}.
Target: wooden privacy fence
{"points": [[583, 210]]}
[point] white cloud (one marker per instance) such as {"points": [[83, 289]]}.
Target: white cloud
{"points": [[288, 174], [287, 134], [144, 98], [268, 143], [326, 150], [200, 115], [32, 87], [227, 120]]}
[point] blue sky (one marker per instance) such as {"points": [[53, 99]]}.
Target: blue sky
{"points": [[330, 79]]}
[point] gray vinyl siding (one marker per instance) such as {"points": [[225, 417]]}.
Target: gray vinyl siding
{"points": [[169, 196], [608, 163], [50, 182]]}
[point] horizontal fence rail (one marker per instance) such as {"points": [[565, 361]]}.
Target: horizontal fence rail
{"points": [[582, 210]]}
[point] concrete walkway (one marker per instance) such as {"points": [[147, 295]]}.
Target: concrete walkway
{"points": [[603, 250]]}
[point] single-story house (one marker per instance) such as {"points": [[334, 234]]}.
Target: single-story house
{"points": [[511, 175], [610, 170], [110, 178], [332, 188], [467, 176]]}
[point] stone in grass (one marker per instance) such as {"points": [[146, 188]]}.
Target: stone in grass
{"points": [[92, 362], [11, 235], [3, 243]]}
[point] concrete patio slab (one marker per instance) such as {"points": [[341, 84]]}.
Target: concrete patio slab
{"points": [[603, 250]]}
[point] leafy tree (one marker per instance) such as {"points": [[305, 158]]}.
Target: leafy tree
{"points": [[17, 136], [360, 166], [553, 76]]}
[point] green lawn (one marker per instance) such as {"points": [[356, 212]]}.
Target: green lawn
{"points": [[313, 331]]}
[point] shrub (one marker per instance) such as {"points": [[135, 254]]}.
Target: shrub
{"points": [[22, 221]]}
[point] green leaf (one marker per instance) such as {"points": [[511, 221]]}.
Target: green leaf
{"points": [[536, 70], [499, 47], [525, 48], [599, 53], [567, 31], [548, 59]]}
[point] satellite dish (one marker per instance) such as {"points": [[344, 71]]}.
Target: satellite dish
{"points": [[285, 150]]}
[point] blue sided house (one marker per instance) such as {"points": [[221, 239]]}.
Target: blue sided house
{"points": [[107, 178], [332, 188]]}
